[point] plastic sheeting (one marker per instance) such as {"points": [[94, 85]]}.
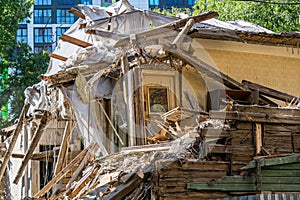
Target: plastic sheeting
{"points": [[238, 25]]}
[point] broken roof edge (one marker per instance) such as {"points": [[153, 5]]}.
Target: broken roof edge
{"points": [[243, 31]]}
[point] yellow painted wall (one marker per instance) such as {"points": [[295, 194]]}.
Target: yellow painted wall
{"points": [[275, 67]]}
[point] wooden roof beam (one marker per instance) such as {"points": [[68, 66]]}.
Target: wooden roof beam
{"points": [[53, 55], [77, 13], [75, 41]]}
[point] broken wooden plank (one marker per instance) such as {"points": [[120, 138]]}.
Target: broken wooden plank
{"points": [[35, 140], [81, 166], [178, 40], [63, 172], [125, 188], [267, 109], [53, 55], [61, 159], [84, 181], [38, 156], [5, 131], [60, 78], [270, 92], [146, 148], [255, 117], [162, 29], [13, 140], [258, 138], [75, 41]]}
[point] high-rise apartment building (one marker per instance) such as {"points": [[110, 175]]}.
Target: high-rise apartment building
{"points": [[168, 4], [50, 18]]}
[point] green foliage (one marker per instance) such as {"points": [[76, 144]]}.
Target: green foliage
{"points": [[11, 13], [276, 17], [24, 68], [19, 67], [174, 12]]}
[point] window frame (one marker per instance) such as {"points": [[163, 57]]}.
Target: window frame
{"points": [[42, 2], [59, 33], [43, 36], [63, 16], [44, 18], [22, 37], [154, 2]]}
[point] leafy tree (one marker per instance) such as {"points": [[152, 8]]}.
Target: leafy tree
{"points": [[174, 11], [19, 66], [24, 69], [273, 15], [11, 13]]}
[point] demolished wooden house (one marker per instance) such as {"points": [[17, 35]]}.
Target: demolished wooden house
{"points": [[128, 109]]}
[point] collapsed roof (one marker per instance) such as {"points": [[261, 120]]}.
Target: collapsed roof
{"points": [[98, 49]]}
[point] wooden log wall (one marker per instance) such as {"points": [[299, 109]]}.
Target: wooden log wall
{"points": [[230, 149], [171, 178]]}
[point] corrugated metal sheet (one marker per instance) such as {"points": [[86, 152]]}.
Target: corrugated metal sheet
{"points": [[283, 196]]}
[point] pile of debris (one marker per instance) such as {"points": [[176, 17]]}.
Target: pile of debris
{"points": [[93, 106]]}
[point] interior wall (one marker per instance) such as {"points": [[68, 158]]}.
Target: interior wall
{"points": [[272, 66], [193, 84]]}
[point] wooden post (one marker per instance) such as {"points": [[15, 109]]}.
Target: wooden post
{"points": [[139, 106], [61, 159], [13, 140], [128, 87], [63, 172], [258, 138], [26, 176], [36, 138], [183, 32]]}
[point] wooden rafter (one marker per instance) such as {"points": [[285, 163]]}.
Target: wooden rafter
{"points": [[77, 13], [53, 55], [75, 41]]}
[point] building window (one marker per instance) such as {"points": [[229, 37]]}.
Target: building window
{"points": [[154, 2], [180, 3], [24, 21], [22, 35], [42, 16], [86, 2], [60, 31], [42, 2], [42, 35], [65, 2], [170, 2], [39, 49], [191, 2], [63, 16]]}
